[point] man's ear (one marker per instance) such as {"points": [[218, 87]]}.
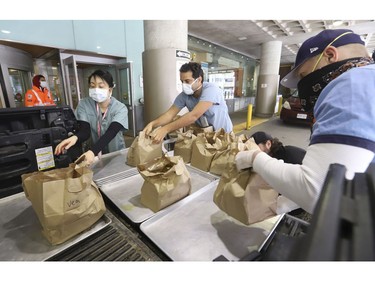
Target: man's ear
{"points": [[331, 54]]}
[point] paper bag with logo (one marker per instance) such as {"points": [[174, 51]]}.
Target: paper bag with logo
{"points": [[245, 196], [183, 145], [166, 180], [66, 201], [142, 150]]}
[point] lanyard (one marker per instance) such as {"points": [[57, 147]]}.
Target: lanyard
{"points": [[99, 123], [100, 119]]}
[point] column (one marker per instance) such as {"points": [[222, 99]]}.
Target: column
{"points": [[166, 45], [268, 80]]}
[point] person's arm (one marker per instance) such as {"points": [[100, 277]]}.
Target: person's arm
{"points": [[29, 98], [82, 135], [183, 121], [303, 183], [83, 132], [104, 140], [163, 119]]}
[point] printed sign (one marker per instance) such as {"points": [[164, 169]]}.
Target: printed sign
{"points": [[44, 158], [182, 54]]}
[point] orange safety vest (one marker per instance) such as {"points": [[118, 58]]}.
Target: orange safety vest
{"points": [[36, 97]]}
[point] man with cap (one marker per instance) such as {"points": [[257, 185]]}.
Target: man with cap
{"points": [[39, 95], [335, 77]]}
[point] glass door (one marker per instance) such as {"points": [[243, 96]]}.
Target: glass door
{"points": [[20, 83], [72, 94], [125, 94]]}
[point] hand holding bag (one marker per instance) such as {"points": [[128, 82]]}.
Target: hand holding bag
{"points": [[143, 150], [245, 196]]}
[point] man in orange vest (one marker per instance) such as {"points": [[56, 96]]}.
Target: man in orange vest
{"points": [[39, 95]]}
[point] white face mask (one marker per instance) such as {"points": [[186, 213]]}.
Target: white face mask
{"points": [[98, 95], [43, 84], [187, 88]]}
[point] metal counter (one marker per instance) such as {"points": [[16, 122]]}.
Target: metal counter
{"points": [[21, 238], [126, 193], [195, 229]]}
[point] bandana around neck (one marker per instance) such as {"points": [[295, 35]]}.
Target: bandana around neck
{"points": [[310, 87]]}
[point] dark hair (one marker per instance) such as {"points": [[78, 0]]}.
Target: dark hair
{"points": [[277, 149], [194, 67], [105, 75], [373, 56]]}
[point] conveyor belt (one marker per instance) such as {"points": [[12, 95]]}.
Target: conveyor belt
{"points": [[116, 242]]}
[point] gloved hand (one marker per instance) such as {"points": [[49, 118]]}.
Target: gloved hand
{"points": [[245, 159]]}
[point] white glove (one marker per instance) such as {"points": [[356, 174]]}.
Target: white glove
{"points": [[244, 159]]}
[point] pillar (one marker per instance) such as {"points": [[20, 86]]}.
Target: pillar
{"points": [[268, 79], [166, 45]]}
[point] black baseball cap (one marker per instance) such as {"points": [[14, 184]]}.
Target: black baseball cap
{"points": [[315, 46], [261, 137]]}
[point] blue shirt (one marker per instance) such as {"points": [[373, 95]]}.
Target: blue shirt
{"points": [[345, 110], [87, 111], [217, 115]]}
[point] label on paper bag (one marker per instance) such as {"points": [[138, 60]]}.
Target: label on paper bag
{"points": [[44, 158]]}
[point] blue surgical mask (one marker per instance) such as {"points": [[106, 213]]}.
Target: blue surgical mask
{"points": [[98, 95]]}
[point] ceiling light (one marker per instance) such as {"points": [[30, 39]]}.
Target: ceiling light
{"points": [[5, 31], [337, 23], [242, 38], [98, 47]]}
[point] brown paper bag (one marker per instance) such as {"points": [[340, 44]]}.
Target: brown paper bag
{"points": [[65, 200], [198, 130], [245, 196], [183, 145], [142, 150], [203, 150], [222, 158], [167, 180]]}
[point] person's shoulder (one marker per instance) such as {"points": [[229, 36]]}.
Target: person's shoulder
{"points": [[210, 85], [86, 102]]}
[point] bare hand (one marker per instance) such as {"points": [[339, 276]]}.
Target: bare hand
{"points": [[89, 157], [148, 129], [65, 144], [158, 135]]}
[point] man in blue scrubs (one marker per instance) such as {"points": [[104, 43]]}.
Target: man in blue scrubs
{"points": [[204, 100]]}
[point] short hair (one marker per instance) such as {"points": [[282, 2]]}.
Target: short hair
{"points": [[373, 55], [194, 67], [104, 75]]}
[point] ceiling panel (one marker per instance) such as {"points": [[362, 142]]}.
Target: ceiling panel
{"points": [[246, 36]]}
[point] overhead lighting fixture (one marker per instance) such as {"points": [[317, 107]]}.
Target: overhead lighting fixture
{"points": [[242, 38], [98, 47], [337, 23], [5, 31]]}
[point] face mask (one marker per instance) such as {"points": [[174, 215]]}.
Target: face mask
{"points": [[187, 88], [98, 95], [43, 84], [310, 87]]}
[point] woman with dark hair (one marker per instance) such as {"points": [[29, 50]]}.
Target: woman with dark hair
{"points": [[275, 148], [105, 115]]}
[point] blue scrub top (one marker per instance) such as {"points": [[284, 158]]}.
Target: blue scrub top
{"points": [[217, 115], [117, 112]]}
